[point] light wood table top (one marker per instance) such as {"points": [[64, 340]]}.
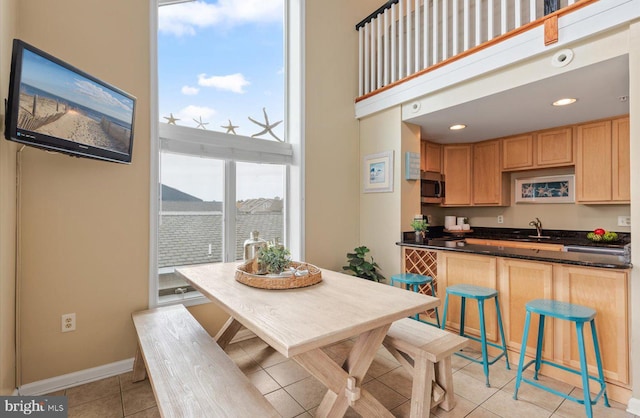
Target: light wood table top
{"points": [[298, 322]]}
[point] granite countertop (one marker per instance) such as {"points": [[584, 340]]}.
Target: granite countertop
{"points": [[443, 242]]}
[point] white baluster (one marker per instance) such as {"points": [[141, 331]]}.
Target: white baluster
{"points": [[373, 55], [394, 43], [454, 29], [532, 10], [386, 46], [409, 38], [416, 38], [445, 26], [425, 35], [518, 13], [503, 16], [401, 43], [360, 61], [367, 63], [435, 32], [379, 50], [467, 29], [489, 20], [478, 17]]}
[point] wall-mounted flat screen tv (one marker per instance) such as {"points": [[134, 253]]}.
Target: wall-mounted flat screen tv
{"points": [[55, 106]]}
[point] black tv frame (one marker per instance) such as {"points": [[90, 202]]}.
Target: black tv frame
{"points": [[58, 143]]}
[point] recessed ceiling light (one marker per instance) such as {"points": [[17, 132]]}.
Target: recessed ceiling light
{"points": [[457, 127], [564, 102]]}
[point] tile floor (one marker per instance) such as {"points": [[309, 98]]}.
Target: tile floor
{"points": [[295, 393]]}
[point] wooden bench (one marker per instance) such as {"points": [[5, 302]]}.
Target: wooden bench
{"points": [[425, 351], [190, 374]]}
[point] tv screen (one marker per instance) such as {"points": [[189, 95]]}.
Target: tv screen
{"points": [[55, 106]]}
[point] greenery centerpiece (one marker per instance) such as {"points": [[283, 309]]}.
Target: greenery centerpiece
{"points": [[420, 226], [361, 267], [274, 258]]}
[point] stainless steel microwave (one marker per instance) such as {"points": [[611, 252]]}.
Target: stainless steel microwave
{"points": [[432, 187]]}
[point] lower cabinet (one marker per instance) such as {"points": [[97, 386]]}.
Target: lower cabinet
{"points": [[518, 281]]}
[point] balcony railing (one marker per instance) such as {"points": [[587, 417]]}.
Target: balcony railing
{"points": [[407, 37]]}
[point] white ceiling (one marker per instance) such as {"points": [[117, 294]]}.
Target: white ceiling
{"points": [[597, 87]]}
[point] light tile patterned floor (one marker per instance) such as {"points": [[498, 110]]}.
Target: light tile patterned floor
{"points": [[295, 393]]}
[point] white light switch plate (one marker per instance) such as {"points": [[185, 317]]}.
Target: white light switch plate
{"points": [[624, 220]]}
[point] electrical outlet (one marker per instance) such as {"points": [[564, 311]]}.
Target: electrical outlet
{"points": [[69, 322], [500, 219], [624, 220]]}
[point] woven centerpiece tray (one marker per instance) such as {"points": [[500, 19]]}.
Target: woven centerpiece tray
{"points": [[245, 275]]}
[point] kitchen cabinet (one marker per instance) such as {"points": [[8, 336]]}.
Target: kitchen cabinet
{"points": [[430, 157], [606, 292], [457, 169], [489, 187], [456, 268], [602, 165], [542, 149], [519, 282], [546, 246]]}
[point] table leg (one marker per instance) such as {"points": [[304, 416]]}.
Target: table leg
{"points": [[339, 380], [227, 332]]}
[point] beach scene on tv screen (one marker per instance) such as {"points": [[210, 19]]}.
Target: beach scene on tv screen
{"points": [[62, 103]]}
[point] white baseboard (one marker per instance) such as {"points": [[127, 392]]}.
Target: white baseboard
{"points": [[66, 381], [633, 407]]}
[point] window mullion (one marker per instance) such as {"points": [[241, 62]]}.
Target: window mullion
{"points": [[229, 224]]}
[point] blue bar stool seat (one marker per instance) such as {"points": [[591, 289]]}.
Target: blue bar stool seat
{"points": [[413, 280], [568, 312], [480, 294]]}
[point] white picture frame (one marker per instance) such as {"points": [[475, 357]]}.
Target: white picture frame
{"points": [[378, 172], [547, 189]]}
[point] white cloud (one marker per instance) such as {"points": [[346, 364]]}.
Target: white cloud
{"points": [[191, 112], [233, 82], [98, 94], [183, 19], [190, 91]]}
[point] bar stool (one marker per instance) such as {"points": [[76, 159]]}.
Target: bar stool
{"points": [[569, 312], [413, 280], [480, 294]]}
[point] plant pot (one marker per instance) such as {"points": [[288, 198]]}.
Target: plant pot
{"points": [[419, 236]]}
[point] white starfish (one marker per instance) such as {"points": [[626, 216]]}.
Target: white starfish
{"points": [[171, 120], [231, 129], [200, 123], [267, 127]]}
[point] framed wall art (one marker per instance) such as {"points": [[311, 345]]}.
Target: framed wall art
{"points": [[378, 172], [549, 189]]}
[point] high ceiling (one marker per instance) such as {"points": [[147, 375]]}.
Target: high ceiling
{"points": [[601, 91]]}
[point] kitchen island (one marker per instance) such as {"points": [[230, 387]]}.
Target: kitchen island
{"points": [[522, 274]]}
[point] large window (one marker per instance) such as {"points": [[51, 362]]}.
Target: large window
{"points": [[224, 153]]}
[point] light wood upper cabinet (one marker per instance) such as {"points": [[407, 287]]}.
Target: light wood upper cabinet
{"points": [[457, 169], [602, 165], [554, 148], [517, 153], [549, 148], [488, 189], [621, 160], [430, 157]]}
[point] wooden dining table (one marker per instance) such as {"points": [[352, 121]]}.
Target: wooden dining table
{"points": [[298, 323]]}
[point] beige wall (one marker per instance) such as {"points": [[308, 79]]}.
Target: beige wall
{"points": [[331, 132], [7, 213], [85, 223]]}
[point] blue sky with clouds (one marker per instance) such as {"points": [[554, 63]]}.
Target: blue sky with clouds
{"points": [[222, 60]]}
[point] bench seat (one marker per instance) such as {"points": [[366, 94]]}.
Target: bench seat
{"points": [[425, 351], [190, 374]]}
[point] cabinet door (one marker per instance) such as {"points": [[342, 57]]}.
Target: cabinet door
{"points": [[518, 283], [606, 292], [621, 174], [517, 153], [431, 157], [593, 165], [554, 148], [457, 174], [487, 175], [468, 269]]}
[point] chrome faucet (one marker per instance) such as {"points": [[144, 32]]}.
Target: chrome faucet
{"points": [[538, 225]]}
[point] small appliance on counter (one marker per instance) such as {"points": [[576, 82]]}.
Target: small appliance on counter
{"points": [[456, 225]]}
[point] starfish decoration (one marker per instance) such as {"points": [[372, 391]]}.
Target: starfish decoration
{"points": [[171, 120], [231, 129], [267, 127], [200, 123]]}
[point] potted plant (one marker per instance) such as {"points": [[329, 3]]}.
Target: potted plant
{"points": [[274, 258], [361, 267], [420, 226]]}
